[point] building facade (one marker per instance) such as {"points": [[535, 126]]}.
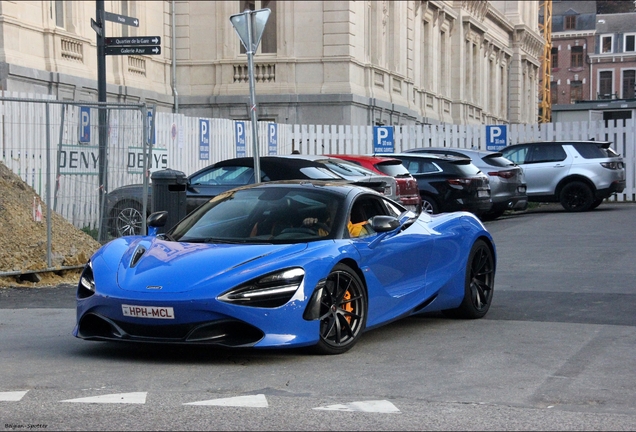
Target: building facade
{"points": [[319, 62], [593, 63]]}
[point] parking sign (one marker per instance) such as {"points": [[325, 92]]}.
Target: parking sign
{"points": [[496, 137], [239, 132], [204, 139], [85, 125], [383, 139], [272, 139]]}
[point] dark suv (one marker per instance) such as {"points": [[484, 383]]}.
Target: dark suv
{"points": [[448, 183], [578, 174]]}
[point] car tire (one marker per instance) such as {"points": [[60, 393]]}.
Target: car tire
{"points": [[596, 203], [429, 205], [576, 196], [343, 311], [126, 218], [479, 283]]}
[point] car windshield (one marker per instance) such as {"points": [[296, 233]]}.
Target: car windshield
{"points": [[262, 215]]}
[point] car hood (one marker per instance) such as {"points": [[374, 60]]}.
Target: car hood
{"points": [[177, 267]]}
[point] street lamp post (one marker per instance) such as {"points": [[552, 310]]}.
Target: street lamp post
{"points": [[249, 26]]}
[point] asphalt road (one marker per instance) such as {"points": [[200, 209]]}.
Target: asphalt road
{"points": [[557, 351]]}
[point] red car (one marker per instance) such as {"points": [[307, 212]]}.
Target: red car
{"points": [[407, 190]]}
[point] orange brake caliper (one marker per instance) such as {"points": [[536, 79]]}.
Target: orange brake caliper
{"points": [[347, 306]]}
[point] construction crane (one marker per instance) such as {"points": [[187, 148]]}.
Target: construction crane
{"points": [[545, 27]]}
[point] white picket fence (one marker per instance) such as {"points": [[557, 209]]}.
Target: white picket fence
{"points": [[178, 146]]}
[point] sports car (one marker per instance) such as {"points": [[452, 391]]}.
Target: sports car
{"points": [[286, 264]]}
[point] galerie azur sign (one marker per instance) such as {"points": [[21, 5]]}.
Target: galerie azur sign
{"points": [[496, 137], [383, 141]]}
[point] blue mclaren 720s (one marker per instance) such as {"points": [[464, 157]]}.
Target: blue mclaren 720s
{"points": [[285, 264]]}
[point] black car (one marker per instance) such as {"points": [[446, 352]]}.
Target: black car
{"points": [[124, 205], [448, 183]]}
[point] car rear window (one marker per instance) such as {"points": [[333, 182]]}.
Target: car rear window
{"points": [[593, 151], [497, 160], [393, 169], [466, 169]]}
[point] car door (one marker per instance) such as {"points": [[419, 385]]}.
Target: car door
{"points": [[397, 263], [544, 165]]}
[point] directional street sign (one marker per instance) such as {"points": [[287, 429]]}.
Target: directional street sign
{"points": [[134, 40], [139, 50], [121, 19]]}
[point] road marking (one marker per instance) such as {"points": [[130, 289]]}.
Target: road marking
{"points": [[379, 406], [125, 398], [13, 396], [255, 401]]}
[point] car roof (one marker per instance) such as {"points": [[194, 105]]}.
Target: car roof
{"points": [[601, 143], [477, 152], [432, 156], [366, 158], [271, 160]]}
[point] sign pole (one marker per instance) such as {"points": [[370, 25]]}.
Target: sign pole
{"points": [[101, 97], [250, 71]]}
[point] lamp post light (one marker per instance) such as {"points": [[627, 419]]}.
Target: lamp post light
{"points": [[249, 26]]}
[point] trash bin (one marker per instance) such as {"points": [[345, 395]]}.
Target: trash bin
{"points": [[169, 194]]}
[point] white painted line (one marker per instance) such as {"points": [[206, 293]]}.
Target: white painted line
{"points": [[124, 398], [13, 396], [379, 406], [255, 401]]}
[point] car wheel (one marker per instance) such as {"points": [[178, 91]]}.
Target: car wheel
{"points": [[479, 283], [429, 205], [596, 203], [343, 311], [576, 197], [127, 218]]}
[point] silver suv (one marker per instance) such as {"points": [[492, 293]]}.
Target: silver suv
{"points": [[578, 174]]}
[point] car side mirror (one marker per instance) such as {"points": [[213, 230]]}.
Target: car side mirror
{"points": [[155, 221], [384, 223]]}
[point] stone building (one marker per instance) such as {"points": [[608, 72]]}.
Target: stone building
{"points": [[319, 62]]}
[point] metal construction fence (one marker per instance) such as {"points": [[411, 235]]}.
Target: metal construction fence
{"points": [[54, 147]]}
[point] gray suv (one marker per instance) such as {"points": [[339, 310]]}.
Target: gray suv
{"points": [[578, 174]]}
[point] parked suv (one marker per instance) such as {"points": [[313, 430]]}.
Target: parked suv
{"points": [[578, 174], [448, 183], [507, 182]]}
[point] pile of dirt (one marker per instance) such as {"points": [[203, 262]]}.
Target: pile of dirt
{"points": [[23, 240]]}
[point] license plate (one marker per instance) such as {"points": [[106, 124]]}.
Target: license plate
{"points": [[483, 193], [148, 312]]}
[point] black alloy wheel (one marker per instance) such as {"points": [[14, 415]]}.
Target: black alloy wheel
{"points": [[343, 311], [429, 205], [127, 218], [576, 196], [479, 283]]}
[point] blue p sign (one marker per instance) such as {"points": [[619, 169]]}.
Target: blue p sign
{"points": [[85, 125], [204, 142], [496, 137], [239, 129], [272, 141], [383, 139]]}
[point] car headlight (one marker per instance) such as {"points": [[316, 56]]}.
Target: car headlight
{"points": [[272, 290], [86, 286]]}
